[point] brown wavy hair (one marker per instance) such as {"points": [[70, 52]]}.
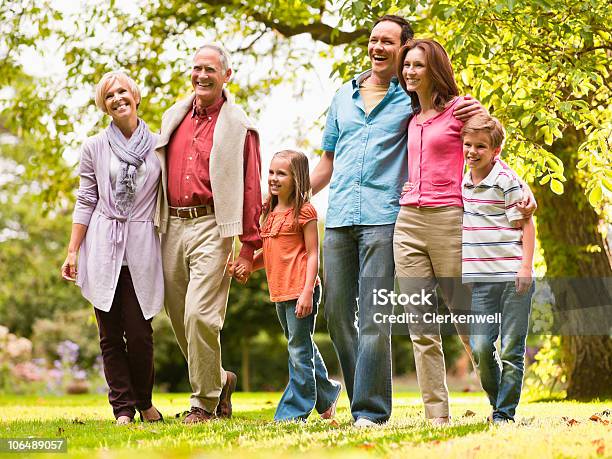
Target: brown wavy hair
{"points": [[298, 167], [439, 68]]}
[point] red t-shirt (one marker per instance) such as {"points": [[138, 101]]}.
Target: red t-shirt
{"points": [[189, 175]]}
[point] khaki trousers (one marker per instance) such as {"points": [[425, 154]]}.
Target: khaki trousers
{"points": [[427, 253], [196, 286]]}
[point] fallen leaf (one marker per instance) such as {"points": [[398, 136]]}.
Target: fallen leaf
{"points": [[77, 421], [605, 413], [596, 418], [570, 422], [526, 421], [366, 445], [468, 414], [334, 423], [601, 446]]}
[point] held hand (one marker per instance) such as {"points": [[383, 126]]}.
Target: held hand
{"points": [[233, 270], [242, 270], [69, 270], [240, 275], [303, 308], [523, 280], [468, 108], [528, 205]]}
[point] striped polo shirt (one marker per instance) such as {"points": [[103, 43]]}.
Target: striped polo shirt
{"points": [[492, 246]]}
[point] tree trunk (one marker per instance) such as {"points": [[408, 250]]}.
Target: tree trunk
{"points": [[567, 229], [245, 364]]}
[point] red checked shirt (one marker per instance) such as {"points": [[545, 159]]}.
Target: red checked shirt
{"points": [[188, 163]]}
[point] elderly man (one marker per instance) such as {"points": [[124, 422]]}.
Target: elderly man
{"points": [[365, 159], [210, 192]]}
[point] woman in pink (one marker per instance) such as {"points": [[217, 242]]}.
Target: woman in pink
{"points": [[427, 237]]}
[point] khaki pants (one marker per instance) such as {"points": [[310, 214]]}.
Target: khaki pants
{"points": [[427, 251], [196, 290]]}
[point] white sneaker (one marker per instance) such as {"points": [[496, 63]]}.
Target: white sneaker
{"points": [[364, 423]]}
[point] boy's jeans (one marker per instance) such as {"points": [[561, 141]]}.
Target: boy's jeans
{"points": [[309, 386], [501, 374]]}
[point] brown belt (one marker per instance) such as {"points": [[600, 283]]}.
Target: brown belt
{"points": [[192, 212]]}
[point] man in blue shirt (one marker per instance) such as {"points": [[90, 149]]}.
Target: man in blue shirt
{"points": [[365, 162]]}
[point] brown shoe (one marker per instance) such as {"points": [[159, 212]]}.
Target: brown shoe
{"points": [[224, 408], [197, 415]]}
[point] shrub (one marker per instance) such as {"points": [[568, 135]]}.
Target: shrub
{"points": [[78, 327]]}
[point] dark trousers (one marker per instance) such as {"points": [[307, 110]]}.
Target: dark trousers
{"points": [[126, 341]]}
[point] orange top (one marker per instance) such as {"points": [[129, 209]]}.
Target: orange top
{"points": [[284, 252]]}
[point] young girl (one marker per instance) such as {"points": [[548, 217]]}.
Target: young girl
{"points": [[291, 259]]}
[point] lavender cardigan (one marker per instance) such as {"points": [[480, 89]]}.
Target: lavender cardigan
{"points": [[111, 236]]}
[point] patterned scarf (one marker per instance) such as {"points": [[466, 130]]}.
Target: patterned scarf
{"points": [[131, 154]]}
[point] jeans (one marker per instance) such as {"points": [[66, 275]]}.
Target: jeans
{"points": [[357, 260], [501, 374], [309, 385]]}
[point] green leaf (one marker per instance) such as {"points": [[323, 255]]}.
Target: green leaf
{"points": [[595, 196], [545, 180], [556, 186], [525, 120]]}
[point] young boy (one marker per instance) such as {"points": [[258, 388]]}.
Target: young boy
{"points": [[497, 258]]}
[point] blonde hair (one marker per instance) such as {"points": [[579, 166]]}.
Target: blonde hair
{"points": [[108, 79], [298, 167], [487, 124]]}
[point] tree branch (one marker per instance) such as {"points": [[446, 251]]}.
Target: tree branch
{"points": [[250, 45], [317, 30]]}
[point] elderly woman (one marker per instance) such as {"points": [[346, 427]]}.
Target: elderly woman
{"points": [[120, 269]]}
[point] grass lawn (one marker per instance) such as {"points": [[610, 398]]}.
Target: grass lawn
{"points": [[544, 429]]}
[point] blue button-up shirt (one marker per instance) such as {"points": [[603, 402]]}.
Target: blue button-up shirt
{"points": [[370, 158]]}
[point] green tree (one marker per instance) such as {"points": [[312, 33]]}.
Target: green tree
{"points": [[542, 67], [31, 253]]}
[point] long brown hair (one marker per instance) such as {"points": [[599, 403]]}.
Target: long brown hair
{"points": [[298, 167], [439, 68]]}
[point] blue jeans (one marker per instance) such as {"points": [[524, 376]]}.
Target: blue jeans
{"points": [[357, 260], [309, 385], [501, 374]]}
